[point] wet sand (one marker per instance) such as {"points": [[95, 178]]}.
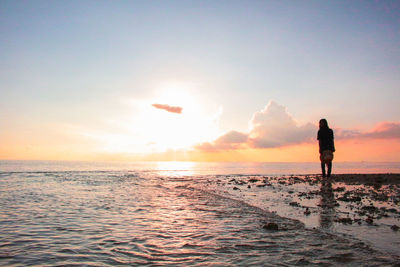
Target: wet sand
{"points": [[363, 206]]}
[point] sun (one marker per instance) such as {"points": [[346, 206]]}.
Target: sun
{"points": [[168, 130], [147, 129]]}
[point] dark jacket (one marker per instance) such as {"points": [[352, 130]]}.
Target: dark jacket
{"points": [[325, 137]]}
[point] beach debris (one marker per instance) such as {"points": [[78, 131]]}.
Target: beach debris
{"points": [[271, 226], [394, 227]]}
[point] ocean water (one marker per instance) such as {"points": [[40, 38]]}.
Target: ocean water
{"points": [[107, 214]]}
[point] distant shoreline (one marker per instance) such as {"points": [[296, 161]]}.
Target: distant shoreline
{"points": [[204, 168]]}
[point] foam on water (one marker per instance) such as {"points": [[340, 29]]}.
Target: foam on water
{"points": [[107, 218]]}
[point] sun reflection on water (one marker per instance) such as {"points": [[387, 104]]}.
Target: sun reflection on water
{"points": [[176, 168]]}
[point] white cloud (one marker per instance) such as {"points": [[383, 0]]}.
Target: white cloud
{"points": [[271, 127], [275, 127]]}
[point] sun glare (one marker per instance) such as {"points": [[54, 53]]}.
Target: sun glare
{"points": [[176, 168], [150, 129], [179, 131]]}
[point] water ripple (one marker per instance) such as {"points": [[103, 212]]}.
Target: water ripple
{"points": [[136, 218]]}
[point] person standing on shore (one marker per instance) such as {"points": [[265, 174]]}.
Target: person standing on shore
{"points": [[326, 146]]}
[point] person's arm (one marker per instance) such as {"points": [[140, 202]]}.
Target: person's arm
{"points": [[319, 141], [333, 142]]}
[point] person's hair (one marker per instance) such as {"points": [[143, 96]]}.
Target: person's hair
{"points": [[324, 123]]}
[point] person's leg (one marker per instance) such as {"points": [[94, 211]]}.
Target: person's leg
{"points": [[329, 168], [323, 169]]}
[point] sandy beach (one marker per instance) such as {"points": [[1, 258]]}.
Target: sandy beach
{"points": [[363, 206]]}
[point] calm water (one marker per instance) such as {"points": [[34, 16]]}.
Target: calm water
{"points": [[191, 168], [97, 214]]}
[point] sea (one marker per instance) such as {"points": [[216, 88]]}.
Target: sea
{"points": [[74, 213]]}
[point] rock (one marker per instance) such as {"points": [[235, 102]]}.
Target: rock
{"points": [[377, 186], [370, 209], [235, 188], [307, 212], [271, 226], [369, 220], [253, 180], [339, 189], [346, 198], [294, 204], [248, 186], [345, 220], [394, 227], [379, 197]]}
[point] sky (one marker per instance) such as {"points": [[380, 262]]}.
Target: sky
{"points": [[199, 80]]}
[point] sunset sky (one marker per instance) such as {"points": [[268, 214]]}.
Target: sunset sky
{"points": [[199, 80]]}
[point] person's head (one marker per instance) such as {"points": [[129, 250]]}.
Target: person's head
{"points": [[323, 123]]}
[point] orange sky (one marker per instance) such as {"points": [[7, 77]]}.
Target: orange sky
{"points": [[348, 150], [279, 139], [227, 81]]}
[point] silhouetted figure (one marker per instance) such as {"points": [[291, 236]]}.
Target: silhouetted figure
{"points": [[326, 146]]}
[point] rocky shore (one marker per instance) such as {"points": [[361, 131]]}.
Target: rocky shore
{"points": [[363, 205]]}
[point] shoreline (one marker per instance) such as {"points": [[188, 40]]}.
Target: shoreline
{"points": [[364, 206]]}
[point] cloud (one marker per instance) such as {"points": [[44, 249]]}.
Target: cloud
{"points": [[168, 108], [275, 127], [383, 130], [271, 127], [229, 141]]}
